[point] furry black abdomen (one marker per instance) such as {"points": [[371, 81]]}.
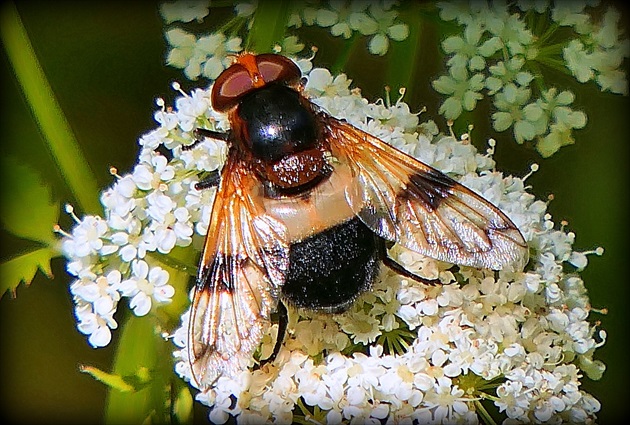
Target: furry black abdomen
{"points": [[330, 269]]}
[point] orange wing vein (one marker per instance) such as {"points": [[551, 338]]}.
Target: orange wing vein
{"points": [[243, 267], [408, 202]]}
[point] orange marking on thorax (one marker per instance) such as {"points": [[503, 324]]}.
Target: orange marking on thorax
{"points": [[248, 61]]}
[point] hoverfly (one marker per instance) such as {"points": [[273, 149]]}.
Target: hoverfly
{"points": [[305, 209]]}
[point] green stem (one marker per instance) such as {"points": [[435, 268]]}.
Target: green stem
{"points": [[485, 415], [303, 408], [141, 350], [551, 50], [49, 116], [342, 58], [269, 25], [548, 33], [177, 264], [555, 64], [538, 79], [405, 56]]}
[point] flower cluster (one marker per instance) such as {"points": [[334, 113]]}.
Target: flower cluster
{"points": [[148, 212], [204, 56], [599, 51], [185, 11], [501, 50], [208, 54], [376, 19], [520, 341], [404, 351]]}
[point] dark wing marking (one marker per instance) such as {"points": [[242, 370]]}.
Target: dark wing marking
{"points": [[242, 269], [406, 201]]}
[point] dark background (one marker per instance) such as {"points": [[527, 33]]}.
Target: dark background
{"points": [[105, 62]]}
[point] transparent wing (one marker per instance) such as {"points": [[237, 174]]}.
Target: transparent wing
{"points": [[406, 201], [242, 269]]}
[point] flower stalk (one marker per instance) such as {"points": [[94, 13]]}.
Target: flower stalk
{"points": [[268, 26]]}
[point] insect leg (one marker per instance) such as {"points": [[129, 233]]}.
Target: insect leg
{"points": [[202, 133], [283, 321], [212, 180], [400, 269]]}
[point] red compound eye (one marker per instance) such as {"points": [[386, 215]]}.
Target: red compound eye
{"points": [[276, 68], [233, 83], [251, 72]]}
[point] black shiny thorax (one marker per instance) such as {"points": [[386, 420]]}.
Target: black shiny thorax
{"points": [[275, 121]]}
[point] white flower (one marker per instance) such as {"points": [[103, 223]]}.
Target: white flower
{"points": [[190, 108], [362, 327], [245, 9], [154, 138], [147, 177], [168, 120], [207, 55], [206, 156], [146, 285], [101, 292], [447, 401], [159, 205], [97, 327], [120, 198], [320, 81], [132, 244], [184, 11], [86, 237]]}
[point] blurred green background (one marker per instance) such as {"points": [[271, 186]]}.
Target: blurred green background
{"points": [[105, 62]]}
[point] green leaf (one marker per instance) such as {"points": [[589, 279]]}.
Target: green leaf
{"points": [[183, 406], [23, 268], [141, 349], [269, 25], [46, 110], [114, 381], [26, 209]]}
